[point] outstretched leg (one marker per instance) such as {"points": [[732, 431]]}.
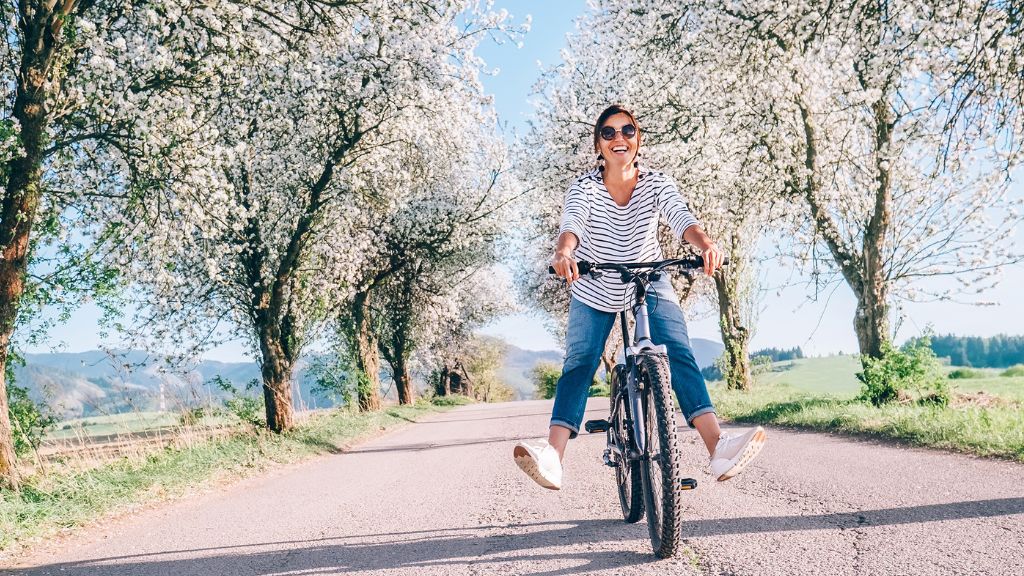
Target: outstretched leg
{"points": [[588, 330]]}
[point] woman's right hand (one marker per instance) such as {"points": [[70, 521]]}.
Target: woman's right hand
{"points": [[565, 266]]}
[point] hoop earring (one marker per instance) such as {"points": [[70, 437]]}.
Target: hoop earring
{"points": [[636, 161]]}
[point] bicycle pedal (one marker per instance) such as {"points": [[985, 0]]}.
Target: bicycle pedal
{"points": [[687, 484], [597, 426]]}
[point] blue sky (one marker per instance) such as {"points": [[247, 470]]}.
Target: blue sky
{"points": [[788, 317]]}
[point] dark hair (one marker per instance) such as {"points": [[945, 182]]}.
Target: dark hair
{"points": [[608, 113]]}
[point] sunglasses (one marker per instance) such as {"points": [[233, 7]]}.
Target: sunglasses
{"points": [[628, 131]]}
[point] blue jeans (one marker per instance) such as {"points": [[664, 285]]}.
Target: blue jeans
{"points": [[588, 331]]}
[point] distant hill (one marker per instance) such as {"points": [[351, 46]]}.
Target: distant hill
{"points": [[84, 384], [89, 383]]}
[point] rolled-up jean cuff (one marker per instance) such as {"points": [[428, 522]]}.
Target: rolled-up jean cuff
{"points": [[699, 412], [565, 424]]}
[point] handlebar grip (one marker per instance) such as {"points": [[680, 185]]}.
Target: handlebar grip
{"points": [[582, 265]]}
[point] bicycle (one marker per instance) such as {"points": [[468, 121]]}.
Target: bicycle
{"points": [[641, 427]]}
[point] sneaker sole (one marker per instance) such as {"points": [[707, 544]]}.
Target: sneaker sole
{"points": [[529, 465], [749, 452]]}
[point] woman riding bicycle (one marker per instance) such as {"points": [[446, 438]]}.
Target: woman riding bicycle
{"points": [[611, 215]]}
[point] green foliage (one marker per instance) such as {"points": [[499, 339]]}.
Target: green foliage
{"points": [[965, 373], [779, 354], [483, 357], [332, 379], [29, 421], [545, 379], [902, 373], [1015, 371], [996, 351], [452, 400], [246, 407]]}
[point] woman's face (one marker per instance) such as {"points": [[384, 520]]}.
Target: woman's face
{"points": [[621, 149]]}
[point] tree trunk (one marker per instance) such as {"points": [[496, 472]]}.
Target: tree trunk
{"points": [[400, 371], [871, 320], [276, 367], [863, 268], [367, 357], [735, 336], [277, 391], [443, 386], [41, 26]]}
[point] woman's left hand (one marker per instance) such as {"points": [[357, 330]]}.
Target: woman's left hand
{"points": [[713, 258]]}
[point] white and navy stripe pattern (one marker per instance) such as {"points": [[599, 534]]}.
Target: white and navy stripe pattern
{"points": [[610, 233]]}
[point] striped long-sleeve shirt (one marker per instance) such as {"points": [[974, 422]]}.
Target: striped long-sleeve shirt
{"points": [[610, 233]]}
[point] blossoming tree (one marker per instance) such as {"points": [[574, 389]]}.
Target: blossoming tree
{"points": [[308, 130], [894, 126]]}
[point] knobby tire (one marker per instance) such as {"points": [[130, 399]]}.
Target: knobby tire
{"points": [[660, 472]]}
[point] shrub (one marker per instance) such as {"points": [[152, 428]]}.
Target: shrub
{"points": [[914, 368], [545, 378], [964, 373], [246, 408], [29, 421], [451, 400], [599, 388], [1016, 370]]}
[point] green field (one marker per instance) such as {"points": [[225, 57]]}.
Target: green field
{"points": [[820, 394], [127, 423], [836, 376], [832, 376]]}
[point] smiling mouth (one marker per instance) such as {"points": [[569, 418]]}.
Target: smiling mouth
{"points": [[619, 149]]}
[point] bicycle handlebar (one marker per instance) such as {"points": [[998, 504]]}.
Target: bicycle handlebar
{"points": [[693, 262]]}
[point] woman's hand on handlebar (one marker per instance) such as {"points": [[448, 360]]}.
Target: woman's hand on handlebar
{"points": [[565, 266], [713, 258]]}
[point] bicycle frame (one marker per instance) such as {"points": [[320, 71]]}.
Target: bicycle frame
{"points": [[641, 345]]}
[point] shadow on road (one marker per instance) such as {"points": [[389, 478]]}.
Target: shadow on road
{"points": [[445, 444], [449, 549], [857, 518]]}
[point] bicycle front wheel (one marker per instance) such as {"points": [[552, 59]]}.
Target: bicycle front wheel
{"points": [[627, 472], [660, 470]]}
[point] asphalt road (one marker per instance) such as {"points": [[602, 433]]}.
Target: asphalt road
{"points": [[443, 496]]}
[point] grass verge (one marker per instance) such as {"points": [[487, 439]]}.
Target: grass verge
{"points": [[996, 430], [47, 504]]}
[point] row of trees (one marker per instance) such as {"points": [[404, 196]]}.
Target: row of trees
{"points": [[283, 173], [872, 143], [998, 351]]}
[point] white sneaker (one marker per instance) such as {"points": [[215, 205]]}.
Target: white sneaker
{"points": [[733, 453], [540, 461]]}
